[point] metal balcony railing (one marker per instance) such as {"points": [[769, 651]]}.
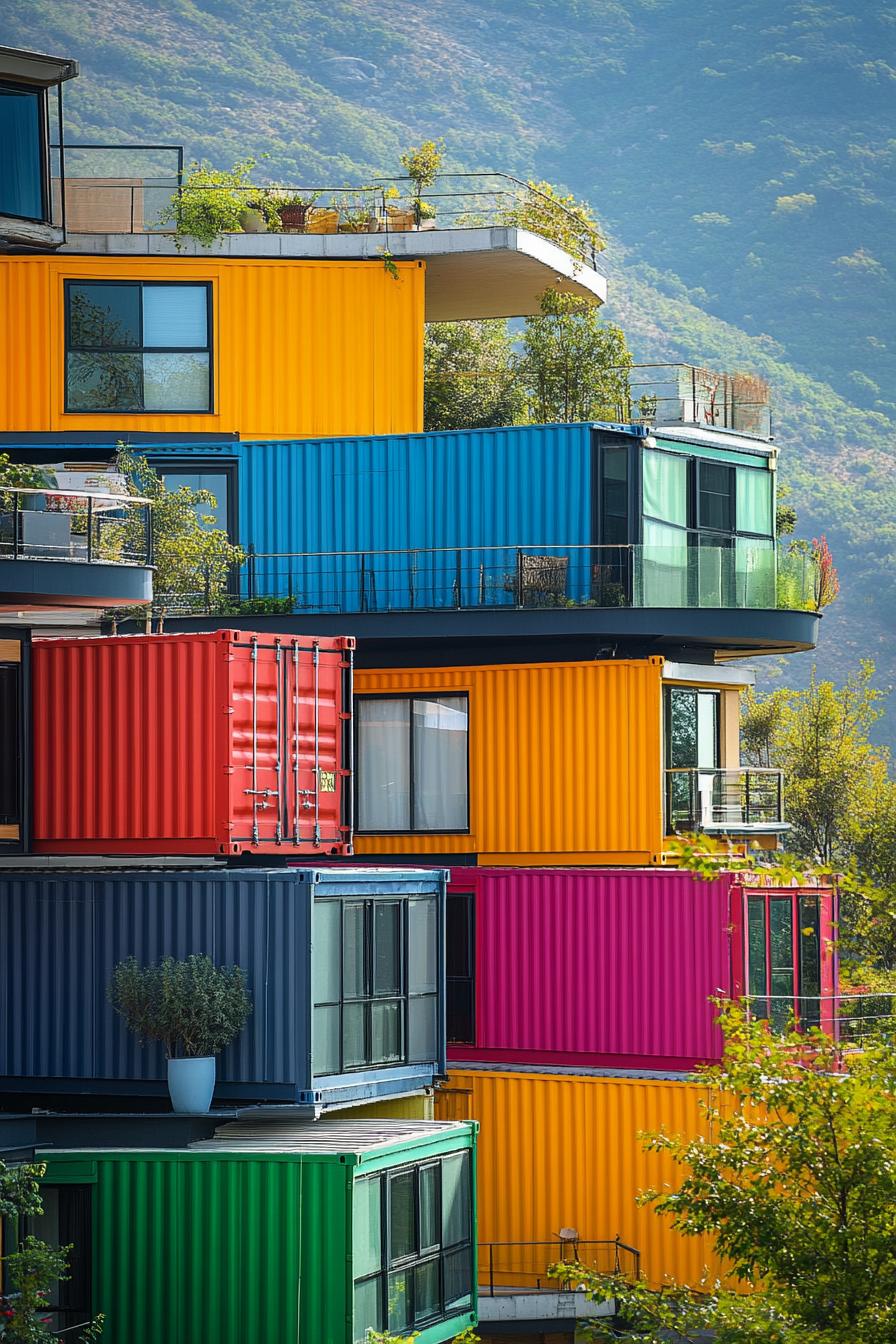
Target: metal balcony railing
{"points": [[746, 575], [848, 1017], [521, 1267], [75, 526], [667, 394], [129, 189], [724, 800]]}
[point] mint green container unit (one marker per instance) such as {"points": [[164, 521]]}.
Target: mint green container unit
{"points": [[277, 1233]]}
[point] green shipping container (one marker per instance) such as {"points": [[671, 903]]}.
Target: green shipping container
{"points": [[271, 1233]]}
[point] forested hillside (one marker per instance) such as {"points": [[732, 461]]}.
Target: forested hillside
{"points": [[739, 152]]}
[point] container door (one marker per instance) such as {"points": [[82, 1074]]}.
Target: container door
{"points": [[314, 728], [257, 705]]}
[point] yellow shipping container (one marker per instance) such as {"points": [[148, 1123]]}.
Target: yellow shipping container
{"points": [[565, 762], [561, 1150], [299, 349]]}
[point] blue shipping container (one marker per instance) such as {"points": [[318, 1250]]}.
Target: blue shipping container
{"points": [[345, 967]]}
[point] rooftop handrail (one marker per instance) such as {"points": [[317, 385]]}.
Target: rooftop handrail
{"points": [[60, 523], [522, 1267], [65, 492]]}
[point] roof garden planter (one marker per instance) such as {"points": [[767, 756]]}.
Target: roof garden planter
{"points": [[322, 220]]}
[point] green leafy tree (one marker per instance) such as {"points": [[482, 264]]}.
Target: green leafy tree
{"points": [[796, 1184], [32, 1268], [193, 558], [573, 365], [558, 216], [471, 379]]}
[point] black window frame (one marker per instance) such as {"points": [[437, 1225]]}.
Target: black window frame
{"points": [[141, 350], [196, 466], [44, 147], [405, 997], [457, 985], [420, 1256], [672, 772], [410, 697]]}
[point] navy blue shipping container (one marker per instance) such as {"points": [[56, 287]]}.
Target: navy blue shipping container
{"points": [[345, 967]]}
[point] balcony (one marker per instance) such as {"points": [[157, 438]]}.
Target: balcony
{"points": [[491, 243], [725, 802], [76, 548], [515, 1287], [684, 394]]}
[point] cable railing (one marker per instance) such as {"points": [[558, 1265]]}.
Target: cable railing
{"points": [[748, 574], [75, 526], [700, 799], [522, 1267], [848, 1016], [141, 189]]}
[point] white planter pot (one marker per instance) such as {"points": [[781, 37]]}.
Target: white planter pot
{"points": [[191, 1083]]}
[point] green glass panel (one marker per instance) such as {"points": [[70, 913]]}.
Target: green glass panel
{"points": [[781, 937], [757, 952], [385, 1032], [368, 1308], [325, 1040], [354, 978], [426, 1291], [809, 944], [755, 565], [428, 1195], [423, 1028], [455, 1199], [387, 947], [754, 501], [423, 946], [326, 945], [664, 566], [402, 1219], [665, 489], [400, 1299], [367, 1250], [354, 1036], [458, 1271]]}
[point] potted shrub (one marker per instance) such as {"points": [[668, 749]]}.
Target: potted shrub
{"points": [[357, 216], [213, 201], [194, 1008], [422, 163], [292, 209]]}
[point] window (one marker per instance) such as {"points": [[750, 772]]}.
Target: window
{"points": [[692, 745], [221, 482], [376, 983], [412, 763], [460, 955], [715, 496], [784, 957], [66, 1221], [11, 756], [137, 347], [412, 1245], [23, 153], [614, 495]]}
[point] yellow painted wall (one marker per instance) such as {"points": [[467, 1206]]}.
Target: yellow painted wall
{"points": [[558, 1150], [300, 348], [565, 762], [420, 1107]]}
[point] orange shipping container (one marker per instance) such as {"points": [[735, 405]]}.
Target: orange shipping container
{"points": [[565, 762], [298, 349], [562, 1150]]}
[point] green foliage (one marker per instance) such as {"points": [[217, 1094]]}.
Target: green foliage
{"points": [[193, 559], [795, 1184], [557, 216], [20, 1189], [212, 202], [471, 379], [193, 1007], [422, 163], [573, 365]]}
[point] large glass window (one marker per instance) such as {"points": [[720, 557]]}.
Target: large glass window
{"points": [[412, 1252], [784, 956], [22, 149], [137, 347], [412, 763], [460, 954], [614, 495], [376, 983], [692, 746], [217, 483], [665, 486]]}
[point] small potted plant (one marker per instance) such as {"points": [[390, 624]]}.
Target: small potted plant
{"points": [[211, 202], [293, 208], [357, 216], [194, 1008], [422, 163]]}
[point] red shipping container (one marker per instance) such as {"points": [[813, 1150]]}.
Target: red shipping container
{"points": [[616, 968], [215, 744]]}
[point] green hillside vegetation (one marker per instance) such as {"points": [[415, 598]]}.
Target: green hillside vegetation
{"points": [[740, 155]]}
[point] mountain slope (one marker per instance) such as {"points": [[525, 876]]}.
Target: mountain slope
{"points": [[741, 152]]}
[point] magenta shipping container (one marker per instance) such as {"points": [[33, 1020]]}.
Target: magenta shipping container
{"points": [[616, 969]]}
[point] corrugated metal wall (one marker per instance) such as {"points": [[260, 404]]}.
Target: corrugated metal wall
{"points": [[61, 936], [565, 762], [300, 348], [597, 968], [524, 486], [562, 1150]]}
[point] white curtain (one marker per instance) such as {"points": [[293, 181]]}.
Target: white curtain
{"points": [[440, 764], [383, 778]]}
